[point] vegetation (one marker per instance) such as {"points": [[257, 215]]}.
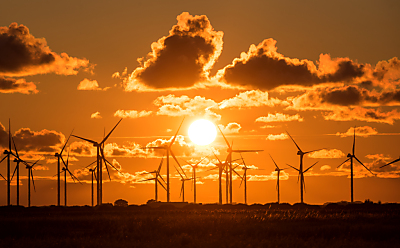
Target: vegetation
{"points": [[271, 225]]}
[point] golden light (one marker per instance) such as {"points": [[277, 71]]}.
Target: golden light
{"points": [[202, 132]]}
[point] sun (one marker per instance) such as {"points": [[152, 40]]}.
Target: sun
{"points": [[202, 132]]}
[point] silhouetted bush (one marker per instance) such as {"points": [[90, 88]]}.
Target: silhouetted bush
{"points": [[121, 203]]}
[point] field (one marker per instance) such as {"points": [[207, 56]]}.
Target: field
{"points": [[270, 225]]}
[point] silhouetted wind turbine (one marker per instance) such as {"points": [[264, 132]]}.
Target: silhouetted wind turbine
{"points": [[229, 159], [17, 160], [168, 150], [66, 169], [278, 170], [183, 179], [100, 157], [59, 157], [93, 172], [350, 157], [301, 154], [301, 175], [30, 175], [244, 178], [156, 179], [194, 167], [8, 154]]}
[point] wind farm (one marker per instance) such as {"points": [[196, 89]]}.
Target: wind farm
{"points": [[199, 124]]}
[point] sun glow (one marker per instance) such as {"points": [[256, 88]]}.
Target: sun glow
{"points": [[202, 132]]}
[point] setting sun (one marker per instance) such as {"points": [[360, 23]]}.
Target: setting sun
{"points": [[202, 132]]}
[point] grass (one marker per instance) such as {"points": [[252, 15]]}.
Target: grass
{"points": [[226, 226]]}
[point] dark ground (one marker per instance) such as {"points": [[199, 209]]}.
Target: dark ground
{"points": [[271, 225]]}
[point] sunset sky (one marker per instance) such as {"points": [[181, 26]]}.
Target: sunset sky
{"points": [[256, 69]]}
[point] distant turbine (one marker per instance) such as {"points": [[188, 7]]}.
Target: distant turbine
{"points": [[66, 169], [244, 178], [278, 170], [17, 160], [194, 177], [229, 159], [100, 157], [301, 154], [168, 150], [302, 182], [59, 157], [350, 157], [156, 179], [30, 175], [93, 172]]}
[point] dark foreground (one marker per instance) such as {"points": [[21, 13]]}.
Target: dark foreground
{"points": [[366, 225]]}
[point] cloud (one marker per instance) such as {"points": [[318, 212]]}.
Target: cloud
{"points": [[281, 136], [279, 117], [273, 176], [232, 127], [87, 84], [132, 114], [327, 153], [11, 85], [262, 67], [363, 114], [26, 140], [172, 105], [325, 167], [96, 115], [364, 131], [182, 59], [23, 55], [248, 99]]}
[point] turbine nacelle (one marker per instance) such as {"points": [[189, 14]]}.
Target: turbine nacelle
{"points": [[300, 153], [6, 152], [349, 155]]}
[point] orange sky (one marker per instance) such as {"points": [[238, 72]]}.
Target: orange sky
{"points": [[256, 69]]}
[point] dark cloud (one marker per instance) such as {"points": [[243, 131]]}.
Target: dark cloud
{"points": [[346, 96], [22, 54], [263, 68], [43, 141], [11, 85], [181, 59]]}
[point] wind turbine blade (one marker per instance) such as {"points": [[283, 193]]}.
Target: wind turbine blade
{"points": [[240, 151], [173, 155], [310, 167], [73, 176], [294, 141], [4, 177], [15, 147], [178, 172], [394, 161], [237, 173], [354, 140], [217, 157], [67, 159], [173, 139], [183, 181], [314, 150], [159, 167], [33, 181], [364, 165], [37, 161], [88, 140], [274, 161], [343, 162], [9, 135], [108, 172], [91, 164], [108, 135], [161, 177], [227, 143], [106, 161], [3, 159], [148, 179], [14, 173], [162, 185], [294, 168], [241, 181], [66, 142]]}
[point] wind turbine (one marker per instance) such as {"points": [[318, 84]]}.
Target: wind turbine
{"points": [[183, 179], [229, 159], [65, 169], [168, 150], [301, 154], [278, 170], [193, 176], [59, 157], [350, 157], [156, 179], [8, 153], [244, 178], [100, 157], [17, 160], [301, 175], [30, 175]]}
